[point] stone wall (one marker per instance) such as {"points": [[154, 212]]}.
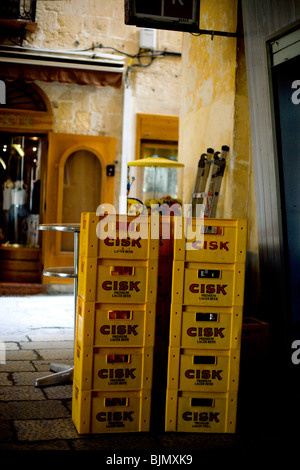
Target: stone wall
{"points": [[215, 112], [77, 25]]}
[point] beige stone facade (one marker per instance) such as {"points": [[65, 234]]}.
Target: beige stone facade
{"points": [[76, 25]]}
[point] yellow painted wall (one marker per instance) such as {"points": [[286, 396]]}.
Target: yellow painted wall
{"points": [[214, 112]]}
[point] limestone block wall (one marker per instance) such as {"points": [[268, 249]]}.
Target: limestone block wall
{"points": [[215, 112], [77, 25]]}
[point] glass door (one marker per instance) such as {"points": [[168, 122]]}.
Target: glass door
{"points": [[81, 190], [77, 181]]}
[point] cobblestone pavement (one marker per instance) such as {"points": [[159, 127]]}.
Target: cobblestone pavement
{"points": [[38, 330]]}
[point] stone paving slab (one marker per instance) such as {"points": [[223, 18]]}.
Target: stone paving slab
{"points": [[21, 316], [33, 446], [5, 379], [59, 391], [53, 354], [22, 392], [44, 366], [114, 443], [11, 366], [45, 429], [21, 355], [18, 410], [25, 378], [6, 432], [11, 346], [38, 345], [51, 334]]}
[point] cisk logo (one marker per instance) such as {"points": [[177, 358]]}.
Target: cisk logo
{"points": [[204, 374], [123, 242], [116, 373], [202, 416], [212, 245], [115, 416], [121, 285], [205, 332], [208, 289], [119, 330]]}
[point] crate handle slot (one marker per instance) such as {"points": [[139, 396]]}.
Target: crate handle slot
{"points": [[119, 315], [202, 402], [200, 316], [204, 359], [207, 229], [115, 401], [213, 230], [117, 358], [121, 270], [209, 273]]}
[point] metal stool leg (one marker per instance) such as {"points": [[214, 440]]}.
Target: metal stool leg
{"points": [[64, 373]]}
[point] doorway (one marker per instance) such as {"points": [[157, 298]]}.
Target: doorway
{"points": [[77, 181], [25, 121], [285, 55]]}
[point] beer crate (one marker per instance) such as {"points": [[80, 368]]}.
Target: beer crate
{"points": [[208, 284], [96, 412], [203, 370], [106, 369], [200, 412], [115, 325], [115, 281], [205, 327], [117, 236], [214, 241]]}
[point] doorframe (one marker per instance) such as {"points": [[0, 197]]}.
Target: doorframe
{"points": [[61, 167], [61, 145]]}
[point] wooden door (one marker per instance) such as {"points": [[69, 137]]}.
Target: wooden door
{"points": [[76, 182]]}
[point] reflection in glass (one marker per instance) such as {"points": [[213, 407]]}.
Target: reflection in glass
{"points": [[20, 159]]}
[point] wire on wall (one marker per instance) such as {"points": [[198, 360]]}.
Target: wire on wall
{"points": [[142, 54]]}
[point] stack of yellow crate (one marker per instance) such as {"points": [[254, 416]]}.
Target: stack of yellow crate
{"points": [[205, 327], [115, 325]]}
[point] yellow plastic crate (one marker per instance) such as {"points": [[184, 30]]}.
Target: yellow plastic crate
{"points": [[201, 412], [107, 369], [203, 370], [127, 237], [116, 281], [117, 325], [205, 327], [96, 412], [208, 284], [219, 241]]}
